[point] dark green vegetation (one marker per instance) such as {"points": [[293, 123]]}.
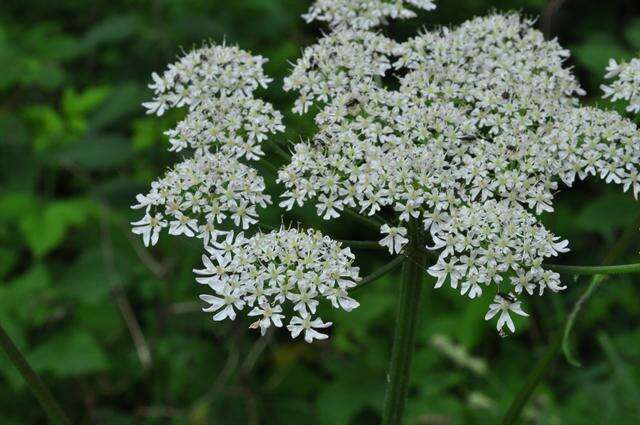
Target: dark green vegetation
{"points": [[114, 329]]}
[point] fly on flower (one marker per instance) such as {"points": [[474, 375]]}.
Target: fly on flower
{"points": [[503, 303]]}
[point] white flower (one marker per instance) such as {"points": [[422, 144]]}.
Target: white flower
{"points": [[270, 315], [183, 225], [395, 238], [328, 207], [149, 227], [363, 14], [503, 303], [626, 85], [275, 269], [613, 69], [225, 306], [220, 71], [309, 326]]}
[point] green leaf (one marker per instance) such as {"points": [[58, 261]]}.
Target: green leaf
{"points": [[110, 30], [86, 280], [49, 126], [70, 353], [339, 403], [16, 204], [45, 229], [96, 153], [22, 300], [632, 33], [8, 259], [123, 100], [597, 215], [145, 133], [595, 52], [75, 104]]}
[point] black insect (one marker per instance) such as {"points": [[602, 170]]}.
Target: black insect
{"points": [[507, 297], [313, 63], [318, 142], [505, 95], [352, 103]]}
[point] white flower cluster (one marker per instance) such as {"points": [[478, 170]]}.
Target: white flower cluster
{"points": [[224, 125], [212, 192], [626, 84], [363, 14], [286, 268], [484, 125], [468, 131], [345, 62], [198, 195], [201, 77]]}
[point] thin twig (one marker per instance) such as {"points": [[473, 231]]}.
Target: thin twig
{"points": [[548, 15], [280, 152], [35, 384], [139, 340]]}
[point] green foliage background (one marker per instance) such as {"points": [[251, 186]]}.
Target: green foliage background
{"points": [[115, 329]]}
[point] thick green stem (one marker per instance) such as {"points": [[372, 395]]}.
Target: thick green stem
{"points": [[399, 376], [37, 387]]}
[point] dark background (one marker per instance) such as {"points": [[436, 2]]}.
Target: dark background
{"points": [[115, 329]]}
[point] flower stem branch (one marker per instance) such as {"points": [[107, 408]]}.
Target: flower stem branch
{"points": [[532, 381], [381, 271], [362, 244], [280, 152], [37, 387], [399, 376], [370, 222], [595, 270]]}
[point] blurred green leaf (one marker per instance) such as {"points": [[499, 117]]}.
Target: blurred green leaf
{"points": [[339, 403], [79, 103], [96, 153], [597, 215], [15, 205], [145, 133], [45, 228], [50, 126], [594, 53], [22, 299], [86, 280], [123, 100], [8, 259], [110, 30], [69, 353], [632, 34]]}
